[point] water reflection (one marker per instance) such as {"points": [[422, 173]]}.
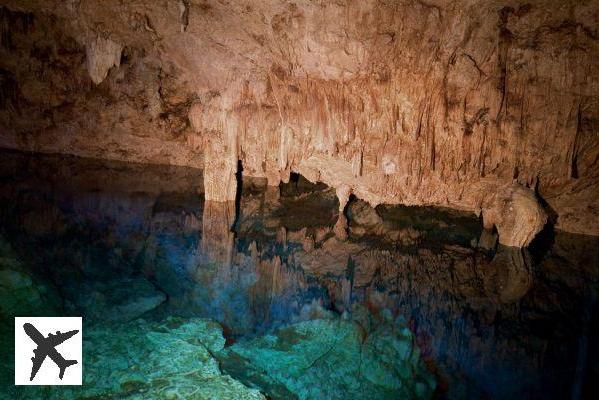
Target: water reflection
{"points": [[217, 232], [492, 322], [508, 276]]}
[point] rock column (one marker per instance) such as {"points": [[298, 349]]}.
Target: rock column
{"points": [[219, 133], [340, 229]]}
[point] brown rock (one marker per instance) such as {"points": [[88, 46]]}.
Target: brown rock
{"points": [[516, 214]]}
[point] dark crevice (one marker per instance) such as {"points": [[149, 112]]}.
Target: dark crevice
{"points": [[299, 185], [239, 179], [12, 23]]}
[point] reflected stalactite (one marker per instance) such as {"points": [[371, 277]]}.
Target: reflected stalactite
{"points": [[272, 194], [192, 222], [488, 240], [217, 235], [509, 275], [340, 227]]}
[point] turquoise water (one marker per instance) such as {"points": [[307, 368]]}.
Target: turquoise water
{"points": [[257, 299]]}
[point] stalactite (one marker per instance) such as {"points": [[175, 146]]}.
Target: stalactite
{"points": [[102, 54], [184, 14]]}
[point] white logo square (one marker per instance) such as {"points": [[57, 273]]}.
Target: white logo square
{"points": [[48, 350]]}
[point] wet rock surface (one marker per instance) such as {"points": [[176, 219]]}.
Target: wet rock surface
{"points": [[115, 300], [21, 291], [335, 358], [171, 359]]}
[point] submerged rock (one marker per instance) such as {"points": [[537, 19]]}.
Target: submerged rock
{"points": [[117, 300], [334, 358], [171, 359], [487, 240], [21, 292]]}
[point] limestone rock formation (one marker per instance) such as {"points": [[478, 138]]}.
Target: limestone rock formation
{"points": [[118, 300], [220, 167], [340, 229], [460, 304], [509, 275], [101, 55], [362, 214], [516, 214], [408, 102], [298, 356]]}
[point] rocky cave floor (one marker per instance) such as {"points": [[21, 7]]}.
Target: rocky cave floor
{"points": [[260, 297]]}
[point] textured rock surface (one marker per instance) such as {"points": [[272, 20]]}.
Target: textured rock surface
{"points": [[171, 359], [117, 300], [407, 102], [516, 214], [101, 55], [217, 231], [21, 292], [349, 353]]}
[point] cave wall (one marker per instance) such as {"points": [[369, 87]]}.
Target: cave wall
{"points": [[50, 102], [451, 103]]}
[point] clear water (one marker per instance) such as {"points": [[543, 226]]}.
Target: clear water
{"points": [[408, 307]]}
